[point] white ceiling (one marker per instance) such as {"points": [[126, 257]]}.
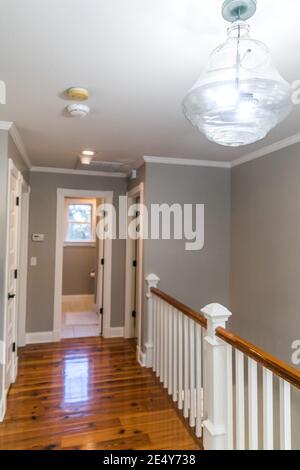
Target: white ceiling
{"points": [[138, 58]]}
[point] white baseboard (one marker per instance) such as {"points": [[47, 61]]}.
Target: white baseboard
{"points": [[148, 354], [141, 357], [2, 407], [116, 332], [2, 352], [40, 337], [78, 298]]}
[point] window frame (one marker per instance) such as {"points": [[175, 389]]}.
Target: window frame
{"points": [[80, 201]]}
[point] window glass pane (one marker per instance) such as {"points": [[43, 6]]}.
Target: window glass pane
{"points": [[79, 232], [80, 212]]}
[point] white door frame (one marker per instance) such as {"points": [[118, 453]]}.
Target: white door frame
{"points": [[138, 191], [23, 262], [107, 197]]}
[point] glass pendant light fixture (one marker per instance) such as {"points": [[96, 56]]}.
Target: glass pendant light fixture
{"points": [[241, 95]]}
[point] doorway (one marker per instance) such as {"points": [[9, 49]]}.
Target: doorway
{"points": [[83, 270], [82, 298]]}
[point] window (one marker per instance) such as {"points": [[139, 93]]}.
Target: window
{"points": [[80, 221]]}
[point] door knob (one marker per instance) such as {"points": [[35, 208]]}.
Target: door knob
{"points": [[11, 296]]}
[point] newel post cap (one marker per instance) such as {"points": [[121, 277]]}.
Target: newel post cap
{"points": [[152, 279], [216, 312]]}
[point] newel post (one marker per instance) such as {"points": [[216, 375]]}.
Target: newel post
{"points": [[215, 432], [152, 281]]}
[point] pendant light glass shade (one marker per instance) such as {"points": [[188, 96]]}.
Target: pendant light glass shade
{"points": [[241, 96]]}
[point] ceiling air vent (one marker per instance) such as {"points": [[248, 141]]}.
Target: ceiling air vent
{"points": [[108, 167]]}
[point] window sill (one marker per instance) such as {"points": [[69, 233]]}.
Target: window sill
{"points": [[87, 244]]}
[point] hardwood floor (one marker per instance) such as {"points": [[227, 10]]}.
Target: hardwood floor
{"points": [[89, 393]]}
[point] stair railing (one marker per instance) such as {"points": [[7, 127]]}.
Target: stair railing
{"points": [[202, 366]]}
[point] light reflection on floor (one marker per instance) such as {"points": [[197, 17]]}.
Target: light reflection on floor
{"points": [[76, 380]]}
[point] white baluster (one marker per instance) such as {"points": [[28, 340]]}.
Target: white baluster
{"points": [[186, 367], [175, 355], [162, 339], [229, 386], [192, 374], [166, 344], [180, 360], [198, 381], [170, 352], [285, 416], [155, 308], [214, 426], [268, 437], [158, 332], [240, 400], [152, 282], [252, 405]]}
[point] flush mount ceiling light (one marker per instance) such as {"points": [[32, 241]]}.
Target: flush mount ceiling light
{"points": [[86, 157], [78, 110], [240, 96], [88, 153]]}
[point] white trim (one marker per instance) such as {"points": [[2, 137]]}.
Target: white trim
{"points": [[23, 263], [113, 332], [133, 193], [108, 199], [77, 298], [67, 171], [14, 133], [2, 352], [40, 337], [141, 357], [281, 144], [3, 406], [186, 162]]}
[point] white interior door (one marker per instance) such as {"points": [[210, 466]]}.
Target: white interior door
{"points": [[100, 278], [11, 277]]}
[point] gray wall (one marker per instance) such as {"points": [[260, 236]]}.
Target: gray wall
{"points": [[78, 262], [43, 220], [265, 258], [194, 277], [265, 254]]}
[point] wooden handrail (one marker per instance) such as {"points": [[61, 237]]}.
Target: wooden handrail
{"points": [[278, 367], [189, 312]]}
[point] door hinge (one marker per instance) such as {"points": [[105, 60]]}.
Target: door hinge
{"points": [[134, 263], [101, 311], [17, 201], [102, 262], [14, 347], [133, 313], [16, 274]]}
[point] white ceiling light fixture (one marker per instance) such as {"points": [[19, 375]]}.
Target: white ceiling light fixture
{"points": [[241, 95], [86, 157], [78, 110]]}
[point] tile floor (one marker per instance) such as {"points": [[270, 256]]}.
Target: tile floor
{"points": [[80, 328]]}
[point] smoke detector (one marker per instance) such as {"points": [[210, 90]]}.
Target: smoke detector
{"points": [[78, 110], [78, 93]]}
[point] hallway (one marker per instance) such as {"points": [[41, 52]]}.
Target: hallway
{"points": [[88, 394]]}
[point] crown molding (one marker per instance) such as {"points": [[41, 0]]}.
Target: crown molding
{"points": [[281, 144], [14, 133], [186, 162], [66, 171]]}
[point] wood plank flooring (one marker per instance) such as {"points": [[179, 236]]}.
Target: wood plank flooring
{"points": [[87, 394]]}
